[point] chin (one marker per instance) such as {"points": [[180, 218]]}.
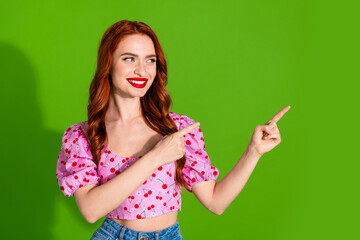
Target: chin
{"points": [[140, 94]]}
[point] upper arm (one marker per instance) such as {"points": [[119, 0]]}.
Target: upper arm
{"points": [[204, 193], [76, 172], [198, 167], [75, 167]]}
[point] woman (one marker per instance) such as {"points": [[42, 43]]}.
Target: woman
{"points": [[131, 158]]}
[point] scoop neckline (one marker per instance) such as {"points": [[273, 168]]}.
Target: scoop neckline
{"points": [[111, 152]]}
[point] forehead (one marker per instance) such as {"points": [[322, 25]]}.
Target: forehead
{"points": [[140, 44]]}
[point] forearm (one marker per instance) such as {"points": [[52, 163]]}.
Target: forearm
{"points": [[229, 187], [110, 195]]}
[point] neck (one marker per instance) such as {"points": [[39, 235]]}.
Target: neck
{"points": [[123, 110]]}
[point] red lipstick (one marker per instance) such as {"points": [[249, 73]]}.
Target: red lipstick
{"points": [[139, 82]]}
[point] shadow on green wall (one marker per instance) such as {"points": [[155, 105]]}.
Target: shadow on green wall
{"points": [[28, 152]]}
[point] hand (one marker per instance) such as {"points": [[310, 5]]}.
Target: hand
{"points": [[172, 147], [266, 137]]}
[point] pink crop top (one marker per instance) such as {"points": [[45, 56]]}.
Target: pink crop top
{"points": [[157, 195]]}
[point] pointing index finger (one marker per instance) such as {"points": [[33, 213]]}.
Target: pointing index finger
{"points": [[188, 129], [278, 116]]}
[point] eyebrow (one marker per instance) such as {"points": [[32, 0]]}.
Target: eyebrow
{"points": [[135, 55]]}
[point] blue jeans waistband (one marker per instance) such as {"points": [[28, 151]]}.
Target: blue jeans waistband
{"points": [[118, 231]]}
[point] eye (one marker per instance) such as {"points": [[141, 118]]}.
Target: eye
{"points": [[128, 59], [152, 60]]}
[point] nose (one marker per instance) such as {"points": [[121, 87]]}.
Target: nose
{"points": [[140, 69]]}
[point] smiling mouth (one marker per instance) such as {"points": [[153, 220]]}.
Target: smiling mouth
{"points": [[138, 82]]}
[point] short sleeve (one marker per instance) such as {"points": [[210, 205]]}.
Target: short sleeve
{"points": [[198, 167], [75, 167]]}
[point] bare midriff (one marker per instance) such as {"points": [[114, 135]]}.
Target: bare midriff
{"points": [[150, 224]]}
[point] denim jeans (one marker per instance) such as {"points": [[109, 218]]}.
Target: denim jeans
{"points": [[111, 230]]}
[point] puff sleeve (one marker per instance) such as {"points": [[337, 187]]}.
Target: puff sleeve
{"points": [[197, 167], [75, 167]]}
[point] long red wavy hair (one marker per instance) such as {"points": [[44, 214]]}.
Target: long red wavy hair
{"points": [[155, 105]]}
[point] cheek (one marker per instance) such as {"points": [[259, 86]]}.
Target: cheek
{"points": [[152, 71], [123, 69]]}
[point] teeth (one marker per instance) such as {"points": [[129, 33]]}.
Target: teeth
{"points": [[137, 82]]}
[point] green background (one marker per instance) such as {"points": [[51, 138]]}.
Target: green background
{"points": [[232, 65]]}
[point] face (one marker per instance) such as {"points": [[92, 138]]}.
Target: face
{"points": [[133, 67]]}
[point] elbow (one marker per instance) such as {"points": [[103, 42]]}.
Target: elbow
{"points": [[89, 215], [90, 218], [214, 208], [86, 204], [218, 212]]}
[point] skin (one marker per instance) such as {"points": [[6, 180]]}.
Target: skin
{"points": [[128, 135]]}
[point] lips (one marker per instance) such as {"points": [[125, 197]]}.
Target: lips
{"points": [[140, 82]]}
